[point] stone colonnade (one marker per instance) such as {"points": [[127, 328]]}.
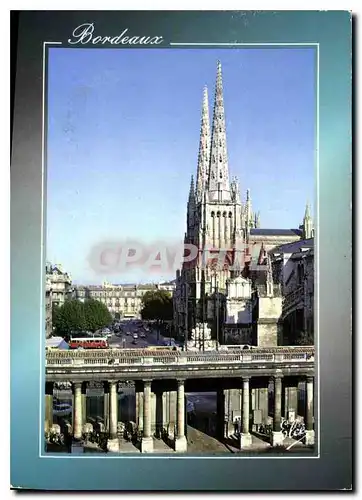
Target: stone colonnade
{"points": [[155, 413], [164, 412], [248, 408]]}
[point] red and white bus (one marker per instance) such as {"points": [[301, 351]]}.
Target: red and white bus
{"points": [[89, 343]]}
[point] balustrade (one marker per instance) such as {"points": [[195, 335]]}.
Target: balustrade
{"points": [[111, 357]]}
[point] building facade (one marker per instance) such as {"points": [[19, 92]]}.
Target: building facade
{"points": [[219, 220], [122, 301], [48, 309], [294, 267], [60, 282]]}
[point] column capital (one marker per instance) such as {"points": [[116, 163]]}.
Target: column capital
{"points": [[180, 381], [310, 379], [245, 379], [277, 378], [77, 385], [147, 381]]}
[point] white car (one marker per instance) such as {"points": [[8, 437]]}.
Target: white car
{"points": [[135, 335]]}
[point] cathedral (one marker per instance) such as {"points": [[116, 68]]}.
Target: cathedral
{"points": [[219, 218]]}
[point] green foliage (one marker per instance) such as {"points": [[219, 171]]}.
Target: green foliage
{"points": [[157, 305], [96, 315], [75, 315]]}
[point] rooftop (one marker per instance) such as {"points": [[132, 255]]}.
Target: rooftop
{"points": [[275, 232]]}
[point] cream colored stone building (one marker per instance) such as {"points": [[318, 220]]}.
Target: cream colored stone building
{"points": [[294, 267], [61, 284], [122, 301]]}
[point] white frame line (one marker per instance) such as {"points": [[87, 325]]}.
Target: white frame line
{"points": [[42, 366]]}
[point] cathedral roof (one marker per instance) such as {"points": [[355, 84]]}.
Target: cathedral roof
{"points": [[295, 246], [275, 232]]}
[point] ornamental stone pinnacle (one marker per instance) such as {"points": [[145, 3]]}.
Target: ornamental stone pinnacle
{"points": [[204, 148], [218, 182]]}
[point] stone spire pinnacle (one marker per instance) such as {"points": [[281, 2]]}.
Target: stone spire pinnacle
{"points": [[307, 225], [204, 147], [269, 276], [218, 181], [248, 210], [192, 191], [257, 220], [307, 211]]}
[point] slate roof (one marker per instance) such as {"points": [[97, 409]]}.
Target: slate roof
{"points": [[295, 246], [275, 232]]}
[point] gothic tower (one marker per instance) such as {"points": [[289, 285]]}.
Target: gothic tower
{"points": [[308, 231]]}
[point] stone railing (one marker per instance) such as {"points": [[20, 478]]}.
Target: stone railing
{"points": [[117, 357]]}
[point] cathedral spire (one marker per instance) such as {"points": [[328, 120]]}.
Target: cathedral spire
{"points": [[218, 181], [307, 225], [204, 147], [192, 191], [307, 211]]}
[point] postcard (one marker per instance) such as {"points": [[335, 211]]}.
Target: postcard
{"points": [[174, 190]]}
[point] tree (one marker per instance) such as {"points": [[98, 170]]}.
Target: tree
{"points": [[74, 315], [96, 314], [157, 305]]}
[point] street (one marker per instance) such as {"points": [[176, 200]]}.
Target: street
{"points": [[121, 340]]}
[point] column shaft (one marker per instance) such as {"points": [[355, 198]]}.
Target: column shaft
{"points": [[246, 410], [106, 409], [113, 410], [140, 410], [147, 409], [309, 409], [180, 409], [78, 419], [277, 404], [48, 406]]}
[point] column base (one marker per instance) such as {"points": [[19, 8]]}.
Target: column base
{"points": [[245, 440], [147, 445], [113, 445], [181, 444], [309, 438], [277, 438]]}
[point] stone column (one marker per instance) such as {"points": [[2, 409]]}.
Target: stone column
{"points": [[245, 436], [180, 441], [309, 434], [84, 403], [147, 440], [277, 436], [78, 419], [140, 410], [106, 407], [48, 416], [113, 441], [113, 410]]}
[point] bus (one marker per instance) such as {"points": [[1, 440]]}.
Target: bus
{"points": [[89, 343]]}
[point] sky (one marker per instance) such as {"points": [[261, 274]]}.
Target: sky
{"points": [[123, 132]]}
